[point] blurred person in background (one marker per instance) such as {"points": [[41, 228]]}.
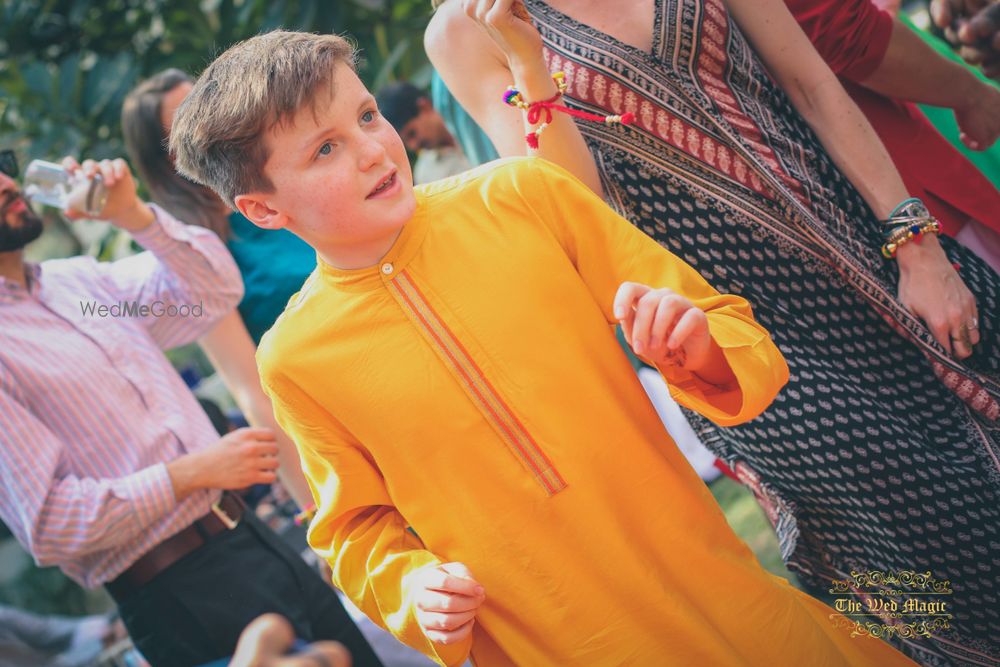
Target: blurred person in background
{"points": [[423, 132]]}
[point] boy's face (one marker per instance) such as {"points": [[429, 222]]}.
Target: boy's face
{"points": [[342, 181]]}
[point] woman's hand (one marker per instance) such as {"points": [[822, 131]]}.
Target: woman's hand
{"points": [[932, 290], [508, 24]]}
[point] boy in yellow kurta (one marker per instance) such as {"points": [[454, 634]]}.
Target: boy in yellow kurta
{"points": [[489, 474]]}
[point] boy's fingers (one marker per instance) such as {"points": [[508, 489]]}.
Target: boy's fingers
{"points": [[447, 622], [435, 601], [670, 310], [645, 312], [439, 580], [627, 295], [689, 323], [442, 637]]}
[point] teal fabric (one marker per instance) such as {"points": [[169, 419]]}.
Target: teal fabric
{"points": [[474, 142], [943, 120], [274, 265]]}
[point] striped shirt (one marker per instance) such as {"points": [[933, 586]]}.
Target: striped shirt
{"points": [[90, 407]]}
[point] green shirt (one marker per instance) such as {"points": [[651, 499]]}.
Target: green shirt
{"points": [[274, 264]]}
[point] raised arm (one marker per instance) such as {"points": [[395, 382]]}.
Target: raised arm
{"points": [[929, 286], [185, 265], [479, 48], [746, 370]]}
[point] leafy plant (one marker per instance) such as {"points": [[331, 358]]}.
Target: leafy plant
{"points": [[66, 65]]}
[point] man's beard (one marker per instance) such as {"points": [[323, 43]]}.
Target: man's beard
{"points": [[28, 229]]}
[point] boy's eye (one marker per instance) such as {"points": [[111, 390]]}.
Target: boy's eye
{"points": [[325, 149], [368, 116]]}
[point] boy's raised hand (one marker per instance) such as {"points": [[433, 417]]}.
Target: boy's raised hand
{"points": [[662, 326], [447, 600]]}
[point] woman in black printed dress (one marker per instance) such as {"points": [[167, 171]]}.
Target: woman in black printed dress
{"points": [[883, 452]]}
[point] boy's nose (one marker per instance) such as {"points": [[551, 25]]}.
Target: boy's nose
{"points": [[372, 154]]}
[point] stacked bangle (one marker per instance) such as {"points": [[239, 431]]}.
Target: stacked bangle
{"points": [[909, 221]]}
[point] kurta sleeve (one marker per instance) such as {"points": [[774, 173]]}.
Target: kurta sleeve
{"points": [[852, 36], [357, 530], [607, 250]]}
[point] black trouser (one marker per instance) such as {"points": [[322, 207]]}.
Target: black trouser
{"points": [[193, 612]]}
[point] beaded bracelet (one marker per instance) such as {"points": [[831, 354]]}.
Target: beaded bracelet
{"points": [[512, 97], [903, 235]]}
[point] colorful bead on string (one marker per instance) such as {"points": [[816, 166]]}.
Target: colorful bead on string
{"points": [[512, 97], [904, 235]]}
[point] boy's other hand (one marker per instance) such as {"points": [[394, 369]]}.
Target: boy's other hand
{"points": [[447, 600], [662, 326]]}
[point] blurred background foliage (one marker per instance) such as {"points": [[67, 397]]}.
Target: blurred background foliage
{"points": [[66, 65]]}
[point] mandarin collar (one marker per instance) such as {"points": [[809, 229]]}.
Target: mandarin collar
{"points": [[402, 252]]}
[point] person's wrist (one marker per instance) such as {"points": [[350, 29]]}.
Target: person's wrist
{"points": [[912, 256], [136, 218], [532, 77], [185, 475], [970, 91]]}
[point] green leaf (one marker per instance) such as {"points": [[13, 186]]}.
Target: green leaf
{"points": [[38, 79], [69, 80], [103, 81]]}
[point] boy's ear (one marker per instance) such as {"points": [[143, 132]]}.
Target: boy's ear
{"points": [[254, 208]]}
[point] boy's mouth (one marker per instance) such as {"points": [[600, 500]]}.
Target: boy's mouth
{"points": [[383, 186]]}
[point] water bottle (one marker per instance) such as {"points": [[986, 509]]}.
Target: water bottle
{"points": [[48, 183]]}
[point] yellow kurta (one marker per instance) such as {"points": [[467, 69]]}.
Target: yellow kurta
{"points": [[470, 387]]}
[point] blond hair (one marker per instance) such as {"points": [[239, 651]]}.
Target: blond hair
{"points": [[218, 134]]}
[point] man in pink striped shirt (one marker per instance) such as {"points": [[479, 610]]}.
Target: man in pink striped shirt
{"points": [[109, 467]]}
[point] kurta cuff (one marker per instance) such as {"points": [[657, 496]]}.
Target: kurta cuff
{"points": [[754, 363]]}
